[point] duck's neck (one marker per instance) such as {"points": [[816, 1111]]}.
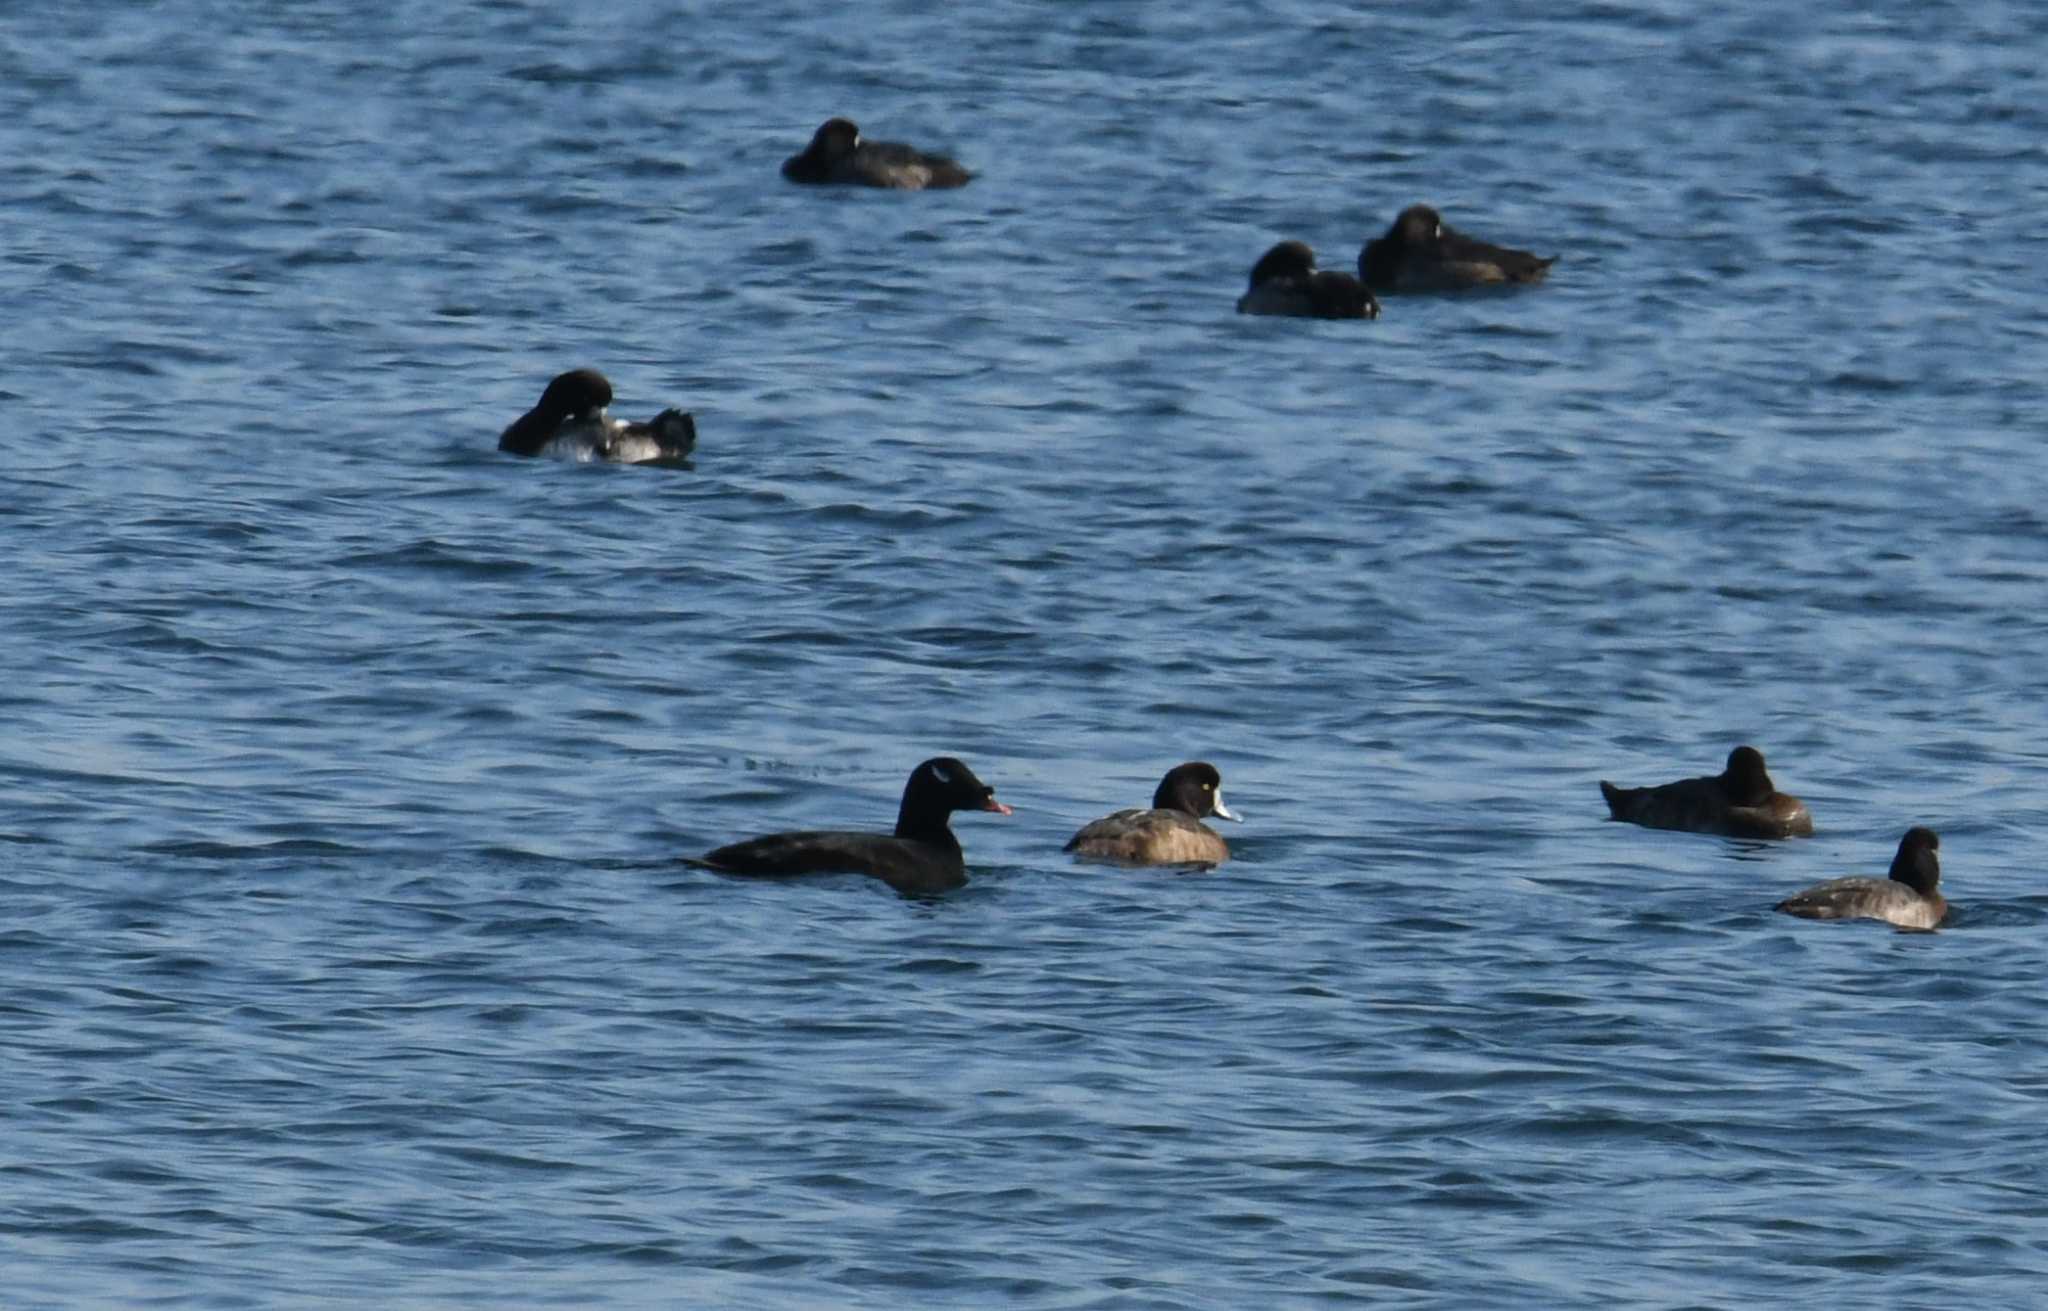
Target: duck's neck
{"points": [[1173, 798], [926, 824], [1919, 870], [1751, 789]]}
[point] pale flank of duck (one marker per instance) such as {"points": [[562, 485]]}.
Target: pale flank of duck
{"points": [[1909, 898], [666, 439], [1151, 837], [1867, 899]]}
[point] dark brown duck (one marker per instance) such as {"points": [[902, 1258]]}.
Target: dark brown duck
{"points": [[1286, 281], [1421, 252], [839, 156], [1739, 802]]}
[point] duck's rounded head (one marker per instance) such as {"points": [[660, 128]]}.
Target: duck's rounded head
{"points": [[1745, 778], [946, 783], [836, 138], [1418, 225], [1196, 787], [1289, 259], [1916, 865], [576, 394]]}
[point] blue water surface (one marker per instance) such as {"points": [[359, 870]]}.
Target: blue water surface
{"points": [[347, 956]]}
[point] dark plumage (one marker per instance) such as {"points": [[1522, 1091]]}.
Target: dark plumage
{"points": [[1908, 898], [920, 858], [1286, 281], [839, 155], [1172, 832], [1422, 253], [569, 421], [1738, 802]]}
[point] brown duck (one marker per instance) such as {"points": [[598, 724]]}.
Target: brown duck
{"points": [[840, 156], [1739, 802], [1421, 252], [1172, 831]]}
